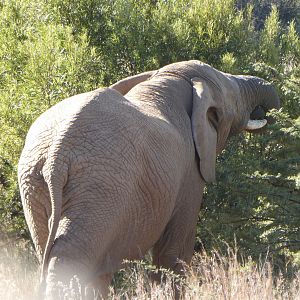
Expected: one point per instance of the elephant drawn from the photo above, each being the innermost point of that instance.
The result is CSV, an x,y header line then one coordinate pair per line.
x,y
109,174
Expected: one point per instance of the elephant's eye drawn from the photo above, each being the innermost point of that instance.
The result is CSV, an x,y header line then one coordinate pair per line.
x,y
213,116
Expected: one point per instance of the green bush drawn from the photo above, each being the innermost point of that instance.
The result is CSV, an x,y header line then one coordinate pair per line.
x,y
41,63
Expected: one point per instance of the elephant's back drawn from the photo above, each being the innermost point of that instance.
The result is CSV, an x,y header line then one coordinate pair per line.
x,y
124,165
64,118
63,114
62,130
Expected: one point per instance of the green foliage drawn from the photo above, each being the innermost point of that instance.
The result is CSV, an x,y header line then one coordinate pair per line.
x,y
41,63
52,49
256,199
257,194
288,10
147,34
269,39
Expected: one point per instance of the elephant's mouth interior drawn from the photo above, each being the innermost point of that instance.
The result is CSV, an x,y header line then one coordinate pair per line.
x,y
257,119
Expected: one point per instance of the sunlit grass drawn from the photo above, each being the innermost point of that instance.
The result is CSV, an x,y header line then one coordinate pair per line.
x,y
212,276
18,271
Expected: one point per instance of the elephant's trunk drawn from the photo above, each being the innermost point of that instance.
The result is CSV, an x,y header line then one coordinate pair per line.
x,y
259,97
258,92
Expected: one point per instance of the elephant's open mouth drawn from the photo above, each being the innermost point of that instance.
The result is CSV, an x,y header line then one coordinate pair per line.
x,y
257,119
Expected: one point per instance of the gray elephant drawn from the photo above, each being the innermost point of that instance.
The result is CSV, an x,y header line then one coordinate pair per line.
x,y
109,174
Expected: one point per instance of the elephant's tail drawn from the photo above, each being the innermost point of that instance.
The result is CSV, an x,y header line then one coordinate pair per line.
x,y
55,179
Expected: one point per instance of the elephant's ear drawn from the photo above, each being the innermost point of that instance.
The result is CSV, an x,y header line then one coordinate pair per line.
x,y
125,85
204,128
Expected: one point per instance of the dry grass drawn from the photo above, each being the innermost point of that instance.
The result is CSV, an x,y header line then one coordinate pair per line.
x,y
18,271
214,277
211,277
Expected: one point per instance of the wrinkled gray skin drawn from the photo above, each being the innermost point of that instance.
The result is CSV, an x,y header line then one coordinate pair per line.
x,y
105,176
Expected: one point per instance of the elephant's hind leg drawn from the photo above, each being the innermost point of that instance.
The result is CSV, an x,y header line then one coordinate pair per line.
x,y
68,274
66,277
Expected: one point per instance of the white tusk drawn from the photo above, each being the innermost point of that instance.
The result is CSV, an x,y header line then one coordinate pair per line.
x,y
256,124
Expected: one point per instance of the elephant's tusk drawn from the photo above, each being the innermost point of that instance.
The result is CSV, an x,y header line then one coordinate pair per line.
x,y
256,124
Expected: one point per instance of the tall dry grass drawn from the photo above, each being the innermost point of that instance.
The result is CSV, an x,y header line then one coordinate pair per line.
x,y
18,270
211,277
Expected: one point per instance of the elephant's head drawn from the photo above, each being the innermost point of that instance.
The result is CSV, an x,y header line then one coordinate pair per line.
x,y
224,105
218,104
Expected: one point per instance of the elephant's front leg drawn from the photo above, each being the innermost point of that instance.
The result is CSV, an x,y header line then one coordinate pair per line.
x,y
175,248
173,251
99,288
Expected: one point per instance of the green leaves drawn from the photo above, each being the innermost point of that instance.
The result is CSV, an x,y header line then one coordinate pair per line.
x,y
41,63
269,38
